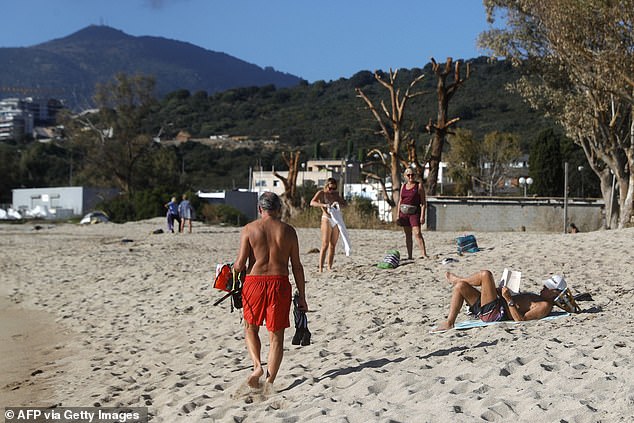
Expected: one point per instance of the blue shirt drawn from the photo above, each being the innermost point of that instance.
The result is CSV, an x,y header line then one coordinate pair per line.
x,y
185,209
172,208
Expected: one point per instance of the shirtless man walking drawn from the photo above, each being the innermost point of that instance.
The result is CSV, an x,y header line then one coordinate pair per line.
x,y
266,246
493,304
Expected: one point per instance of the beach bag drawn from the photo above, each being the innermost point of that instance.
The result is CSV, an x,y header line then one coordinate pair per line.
x,y
467,243
566,301
231,282
409,209
391,260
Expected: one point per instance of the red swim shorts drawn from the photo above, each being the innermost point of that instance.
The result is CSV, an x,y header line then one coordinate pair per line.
x,y
267,298
408,219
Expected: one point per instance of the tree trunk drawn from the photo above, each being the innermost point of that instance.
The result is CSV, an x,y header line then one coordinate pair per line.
x,y
627,200
289,199
440,129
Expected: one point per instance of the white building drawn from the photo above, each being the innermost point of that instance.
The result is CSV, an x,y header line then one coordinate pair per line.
x,y
314,171
15,121
60,202
19,116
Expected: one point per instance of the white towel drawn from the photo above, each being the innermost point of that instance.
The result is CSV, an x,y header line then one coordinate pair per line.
x,y
336,216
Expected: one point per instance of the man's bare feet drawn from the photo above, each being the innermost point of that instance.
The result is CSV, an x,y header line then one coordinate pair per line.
x,y
269,380
451,277
254,380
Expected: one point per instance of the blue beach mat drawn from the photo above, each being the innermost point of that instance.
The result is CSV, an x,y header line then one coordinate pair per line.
x,y
477,323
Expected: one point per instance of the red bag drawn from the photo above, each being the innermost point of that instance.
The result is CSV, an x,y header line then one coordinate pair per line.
x,y
225,277
231,282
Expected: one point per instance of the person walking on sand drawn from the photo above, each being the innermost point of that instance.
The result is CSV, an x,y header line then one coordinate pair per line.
x,y
412,205
493,304
324,199
172,214
266,247
185,212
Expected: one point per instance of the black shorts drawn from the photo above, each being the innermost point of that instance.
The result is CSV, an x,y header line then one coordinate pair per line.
x,y
490,312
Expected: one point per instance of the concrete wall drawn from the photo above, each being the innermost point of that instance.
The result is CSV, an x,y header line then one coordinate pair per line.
x,y
246,202
512,214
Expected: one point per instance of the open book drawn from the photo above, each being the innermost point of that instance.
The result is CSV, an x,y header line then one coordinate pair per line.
x,y
511,279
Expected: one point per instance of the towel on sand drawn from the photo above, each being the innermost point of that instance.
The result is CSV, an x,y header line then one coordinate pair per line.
x,y
477,323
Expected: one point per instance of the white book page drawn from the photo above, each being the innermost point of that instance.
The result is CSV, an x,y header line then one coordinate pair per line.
x,y
512,280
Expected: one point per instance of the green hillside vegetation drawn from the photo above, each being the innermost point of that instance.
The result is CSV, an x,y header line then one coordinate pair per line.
x,y
329,113
326,120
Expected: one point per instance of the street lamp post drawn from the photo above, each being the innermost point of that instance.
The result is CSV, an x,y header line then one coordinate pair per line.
x,y
303,171
580,169
347,179
525,182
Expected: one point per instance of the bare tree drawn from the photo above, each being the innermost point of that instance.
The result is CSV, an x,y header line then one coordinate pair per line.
x,y
440,128
390,122
289,197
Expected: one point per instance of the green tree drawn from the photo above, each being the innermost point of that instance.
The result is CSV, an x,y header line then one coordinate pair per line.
x,y
463,159
499,151
487,162
546,165
43,165
10,171
116,139
579,57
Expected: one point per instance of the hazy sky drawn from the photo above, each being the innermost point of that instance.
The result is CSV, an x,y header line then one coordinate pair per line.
x,y
312,39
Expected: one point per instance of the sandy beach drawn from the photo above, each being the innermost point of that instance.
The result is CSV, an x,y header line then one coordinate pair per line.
x,y
115,315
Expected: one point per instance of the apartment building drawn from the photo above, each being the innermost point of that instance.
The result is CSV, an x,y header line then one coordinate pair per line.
x,y
20,116
315,172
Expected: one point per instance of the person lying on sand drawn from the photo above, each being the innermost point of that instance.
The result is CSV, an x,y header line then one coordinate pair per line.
x,y
492,304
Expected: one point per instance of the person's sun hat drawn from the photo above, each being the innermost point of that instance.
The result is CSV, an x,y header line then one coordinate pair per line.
x,y
556,282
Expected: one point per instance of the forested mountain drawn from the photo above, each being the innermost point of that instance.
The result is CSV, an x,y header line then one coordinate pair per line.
x,y
69,67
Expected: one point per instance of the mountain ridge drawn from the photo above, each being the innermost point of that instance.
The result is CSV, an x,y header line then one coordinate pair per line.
x,y
76,63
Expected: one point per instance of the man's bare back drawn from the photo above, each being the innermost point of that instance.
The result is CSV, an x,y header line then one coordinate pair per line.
x,y
268,244
271,242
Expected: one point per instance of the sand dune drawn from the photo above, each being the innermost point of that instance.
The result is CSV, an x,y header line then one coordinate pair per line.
x,y
114,315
